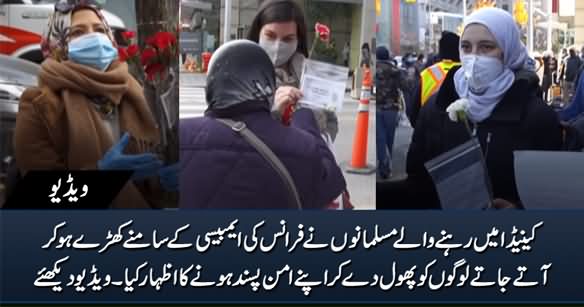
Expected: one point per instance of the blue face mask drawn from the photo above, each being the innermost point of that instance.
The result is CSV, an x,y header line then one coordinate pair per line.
x,y
93,49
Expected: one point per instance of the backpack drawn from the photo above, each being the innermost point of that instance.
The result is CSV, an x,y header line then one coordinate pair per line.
x,y
388,79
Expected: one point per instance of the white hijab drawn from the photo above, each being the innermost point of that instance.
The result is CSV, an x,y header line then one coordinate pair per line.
x,y
503,27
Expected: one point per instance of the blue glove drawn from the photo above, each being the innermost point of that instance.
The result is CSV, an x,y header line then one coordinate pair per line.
x,y
144,165
169,177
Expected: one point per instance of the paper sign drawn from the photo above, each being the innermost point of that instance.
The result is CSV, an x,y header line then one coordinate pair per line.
x,y
323,85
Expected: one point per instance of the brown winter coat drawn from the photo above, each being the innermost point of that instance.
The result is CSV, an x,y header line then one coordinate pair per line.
x,y
58,127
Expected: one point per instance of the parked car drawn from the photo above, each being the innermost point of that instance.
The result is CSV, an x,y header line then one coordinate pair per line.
x,y
15,76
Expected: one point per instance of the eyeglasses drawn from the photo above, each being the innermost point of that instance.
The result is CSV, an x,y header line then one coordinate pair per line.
x,y
65,6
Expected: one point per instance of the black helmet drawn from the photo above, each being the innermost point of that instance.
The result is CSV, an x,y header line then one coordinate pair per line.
x,y
240,71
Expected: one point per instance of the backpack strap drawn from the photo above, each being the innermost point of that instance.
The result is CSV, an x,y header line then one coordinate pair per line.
x,y
268,155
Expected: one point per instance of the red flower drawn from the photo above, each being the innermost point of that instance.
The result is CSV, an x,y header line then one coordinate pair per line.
x,y
162,40
287,115
132,50
122,54
152,69
323,32
128,35
147,55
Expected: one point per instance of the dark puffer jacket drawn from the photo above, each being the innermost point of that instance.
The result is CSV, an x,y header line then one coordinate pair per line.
x,y
521,121
219,169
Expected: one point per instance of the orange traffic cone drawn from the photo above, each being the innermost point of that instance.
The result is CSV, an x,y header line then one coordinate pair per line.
x,y
358,163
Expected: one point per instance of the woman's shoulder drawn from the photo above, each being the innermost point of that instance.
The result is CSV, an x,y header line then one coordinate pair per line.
x,y
537,113
41,96
190,128
41,105
297,62
529,77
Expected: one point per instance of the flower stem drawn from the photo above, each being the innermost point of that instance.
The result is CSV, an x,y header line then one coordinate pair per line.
x,y
466,125
313,45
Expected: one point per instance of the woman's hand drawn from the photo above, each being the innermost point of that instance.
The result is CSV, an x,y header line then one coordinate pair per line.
x,y
285,96
143,165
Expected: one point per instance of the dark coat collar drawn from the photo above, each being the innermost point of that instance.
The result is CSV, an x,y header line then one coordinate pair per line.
x,y
239,110
509,109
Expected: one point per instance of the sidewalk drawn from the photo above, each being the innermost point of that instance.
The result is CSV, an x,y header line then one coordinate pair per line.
x,y
361,187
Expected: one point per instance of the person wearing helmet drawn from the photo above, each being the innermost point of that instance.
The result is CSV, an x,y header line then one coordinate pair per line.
x,y
221,169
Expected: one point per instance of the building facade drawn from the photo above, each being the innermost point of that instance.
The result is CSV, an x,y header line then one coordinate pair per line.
x,y
350,21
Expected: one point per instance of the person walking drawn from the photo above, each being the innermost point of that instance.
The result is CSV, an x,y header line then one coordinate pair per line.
x,y
547,79
389,102
346,53
572,68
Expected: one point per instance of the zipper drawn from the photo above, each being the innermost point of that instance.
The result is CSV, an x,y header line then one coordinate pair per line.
x,y
485,158
488,142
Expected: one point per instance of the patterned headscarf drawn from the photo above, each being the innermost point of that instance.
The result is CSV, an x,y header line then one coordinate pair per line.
x,y
54,42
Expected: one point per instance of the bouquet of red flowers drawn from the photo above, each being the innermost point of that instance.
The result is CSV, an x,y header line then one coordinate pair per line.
x,y
154,58
155,66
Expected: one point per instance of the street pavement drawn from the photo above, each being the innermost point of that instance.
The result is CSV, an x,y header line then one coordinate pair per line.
x,y
361,187
192,95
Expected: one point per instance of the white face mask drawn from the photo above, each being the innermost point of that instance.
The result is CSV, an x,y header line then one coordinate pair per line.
x,y
278,51
481,70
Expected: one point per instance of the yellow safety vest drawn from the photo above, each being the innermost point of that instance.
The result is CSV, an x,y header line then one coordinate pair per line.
x,y
432,77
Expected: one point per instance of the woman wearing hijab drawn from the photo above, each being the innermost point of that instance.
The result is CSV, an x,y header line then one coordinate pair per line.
x,y
503,106
280,29
222,169
87,111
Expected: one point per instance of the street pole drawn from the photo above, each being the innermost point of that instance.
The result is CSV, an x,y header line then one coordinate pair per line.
x,y
549,29
431,26
161,95
530,27
463,8
227,22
